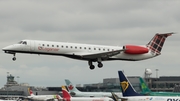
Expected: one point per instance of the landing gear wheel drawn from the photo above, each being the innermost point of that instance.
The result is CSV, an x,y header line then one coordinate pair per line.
x,y
14,58
100,64
92,67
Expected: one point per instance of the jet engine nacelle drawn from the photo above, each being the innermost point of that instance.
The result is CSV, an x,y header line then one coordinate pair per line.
x,y
133,49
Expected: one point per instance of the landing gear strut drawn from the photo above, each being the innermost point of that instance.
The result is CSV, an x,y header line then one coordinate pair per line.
x,y
14,58
91,66
100,64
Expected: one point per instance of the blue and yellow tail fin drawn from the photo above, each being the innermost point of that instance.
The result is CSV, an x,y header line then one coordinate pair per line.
x,y
127,88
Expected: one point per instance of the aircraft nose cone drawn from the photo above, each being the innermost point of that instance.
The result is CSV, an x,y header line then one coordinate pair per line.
x,y
7,48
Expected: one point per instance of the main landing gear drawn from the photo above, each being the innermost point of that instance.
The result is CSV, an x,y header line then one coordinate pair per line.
x,y
91,66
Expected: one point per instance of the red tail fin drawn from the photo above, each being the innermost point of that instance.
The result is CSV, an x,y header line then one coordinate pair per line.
x,y
65,94
30,92
157,42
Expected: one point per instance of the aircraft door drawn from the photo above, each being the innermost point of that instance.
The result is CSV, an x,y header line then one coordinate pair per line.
x,y
32,46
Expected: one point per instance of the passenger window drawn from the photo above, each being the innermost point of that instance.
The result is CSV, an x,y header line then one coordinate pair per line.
x,y
62,46
94,48
75,47
99,48
42,44
108,49
57,45
89,48
71,47
103,49
80,47
52,45
66,46
47,45
84,47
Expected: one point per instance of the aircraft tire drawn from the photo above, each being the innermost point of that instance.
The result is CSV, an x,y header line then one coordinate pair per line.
x,y
14,58
92,67
100,64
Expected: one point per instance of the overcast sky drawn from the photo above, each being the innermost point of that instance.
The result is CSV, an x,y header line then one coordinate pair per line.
x,y
104,22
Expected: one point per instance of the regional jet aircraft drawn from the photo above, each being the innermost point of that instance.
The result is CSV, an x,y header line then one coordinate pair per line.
x,y
89,52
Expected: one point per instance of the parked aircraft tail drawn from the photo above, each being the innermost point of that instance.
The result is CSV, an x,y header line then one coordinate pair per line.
x,y
127,88
70,86
157,42
65,93
144,87
30,92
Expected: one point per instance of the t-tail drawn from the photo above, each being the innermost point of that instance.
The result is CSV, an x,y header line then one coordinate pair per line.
x,y
65,93
70,86
157,42
144,87
127,88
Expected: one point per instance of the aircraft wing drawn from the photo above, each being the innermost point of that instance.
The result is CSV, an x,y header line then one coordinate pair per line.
x,y
103,55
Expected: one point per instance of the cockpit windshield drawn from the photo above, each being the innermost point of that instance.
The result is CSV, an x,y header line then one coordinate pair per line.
x,y
22,42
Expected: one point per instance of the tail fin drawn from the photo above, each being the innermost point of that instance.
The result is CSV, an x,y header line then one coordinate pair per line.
x,y
30,92
127,88
144,87
70,86
65,93
157,42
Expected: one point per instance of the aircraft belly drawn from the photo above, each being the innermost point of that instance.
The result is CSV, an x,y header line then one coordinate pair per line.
x,y
130,57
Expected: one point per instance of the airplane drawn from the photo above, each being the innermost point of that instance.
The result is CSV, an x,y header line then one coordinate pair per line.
x,y
147,91
42,97
130,94
76,93
68,97
89,52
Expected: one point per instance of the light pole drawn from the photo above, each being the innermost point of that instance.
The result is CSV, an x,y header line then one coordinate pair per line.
x,y
7,83
157,73
18,79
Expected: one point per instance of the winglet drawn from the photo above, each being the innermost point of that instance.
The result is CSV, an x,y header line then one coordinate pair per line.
x,y
114,96
65,93
127,88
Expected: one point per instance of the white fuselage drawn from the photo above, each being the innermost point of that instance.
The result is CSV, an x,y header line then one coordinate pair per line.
x,y
72,50
95,94
89,99
42,97
152,98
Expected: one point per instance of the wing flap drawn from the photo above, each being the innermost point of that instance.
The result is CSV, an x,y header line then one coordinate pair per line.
x,y
103,55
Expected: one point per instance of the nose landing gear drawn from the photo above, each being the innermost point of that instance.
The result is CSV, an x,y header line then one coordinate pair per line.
x,y
14,58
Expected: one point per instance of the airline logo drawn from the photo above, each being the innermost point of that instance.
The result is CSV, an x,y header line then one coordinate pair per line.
x,y
48,49
124,85
173,99
143,86
70,87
